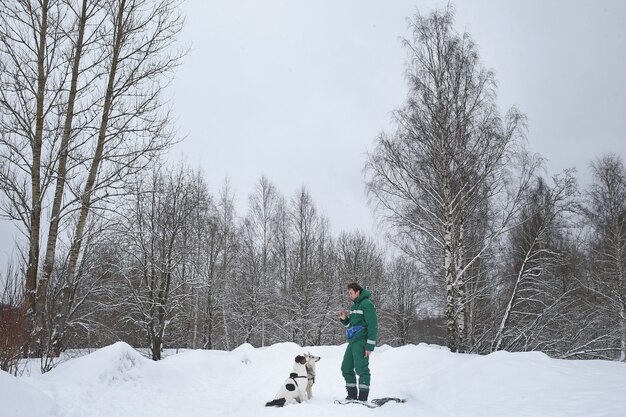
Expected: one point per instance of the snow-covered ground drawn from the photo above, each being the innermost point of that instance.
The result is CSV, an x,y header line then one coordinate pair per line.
x,y
118,381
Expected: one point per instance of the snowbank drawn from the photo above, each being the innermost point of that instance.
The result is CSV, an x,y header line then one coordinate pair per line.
x,y
117,380
18,398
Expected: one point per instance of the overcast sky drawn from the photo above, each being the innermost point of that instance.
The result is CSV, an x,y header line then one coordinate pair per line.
x,y
298,91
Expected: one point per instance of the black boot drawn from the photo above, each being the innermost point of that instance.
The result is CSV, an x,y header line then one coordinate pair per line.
x,y
363,395
351,393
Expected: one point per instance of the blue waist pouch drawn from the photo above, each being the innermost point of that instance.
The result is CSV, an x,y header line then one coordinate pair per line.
x,y
351,331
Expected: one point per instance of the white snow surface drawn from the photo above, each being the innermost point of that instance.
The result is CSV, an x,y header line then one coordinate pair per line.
x,y
119,381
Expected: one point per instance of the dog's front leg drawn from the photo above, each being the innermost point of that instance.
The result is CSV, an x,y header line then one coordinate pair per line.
x,y
302,397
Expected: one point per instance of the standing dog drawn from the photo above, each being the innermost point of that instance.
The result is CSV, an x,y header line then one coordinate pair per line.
x,y
293,390
310,371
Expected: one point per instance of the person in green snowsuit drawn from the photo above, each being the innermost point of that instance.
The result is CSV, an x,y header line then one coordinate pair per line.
x,y
361,331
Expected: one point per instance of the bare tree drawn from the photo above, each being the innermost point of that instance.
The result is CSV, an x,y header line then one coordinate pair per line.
x,y
606,210
253,302
359,259
304,290
282,243
300,301
533,291
403,291
83,39
31,79
132,126
329,288
206,246
450,152
153,281
228,231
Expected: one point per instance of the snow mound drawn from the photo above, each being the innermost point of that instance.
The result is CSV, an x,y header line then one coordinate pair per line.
x,y
529,383
19,399
106,366
246,353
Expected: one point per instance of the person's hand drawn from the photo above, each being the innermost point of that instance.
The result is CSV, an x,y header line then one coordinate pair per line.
x,y
367,353
342,314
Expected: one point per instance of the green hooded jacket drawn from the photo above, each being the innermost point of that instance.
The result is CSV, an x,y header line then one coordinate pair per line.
x,y
363,313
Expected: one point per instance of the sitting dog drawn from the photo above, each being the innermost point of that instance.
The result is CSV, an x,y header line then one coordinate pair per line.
x,y
293,390
310,371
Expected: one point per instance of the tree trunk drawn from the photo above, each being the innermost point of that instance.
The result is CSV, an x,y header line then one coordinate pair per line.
x,y
55,216
156,349
461,316
35,308
89,185
194,340
509,308
450,296
621,278
623,351
208,331
460,286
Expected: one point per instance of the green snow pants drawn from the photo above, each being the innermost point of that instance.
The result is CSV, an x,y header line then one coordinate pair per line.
x,y
354,360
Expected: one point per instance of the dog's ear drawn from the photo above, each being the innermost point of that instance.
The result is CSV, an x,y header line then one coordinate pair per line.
x,y
301,359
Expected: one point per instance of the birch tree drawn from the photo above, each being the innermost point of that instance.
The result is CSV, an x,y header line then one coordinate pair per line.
x,y
83,36
606,210
197,261
31,80
329,289
132,126
228,231
301,301
210,246
252,301
449,152
301,253
534,296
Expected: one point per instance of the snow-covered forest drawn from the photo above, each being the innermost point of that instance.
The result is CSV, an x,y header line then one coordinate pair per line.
x,y
484,250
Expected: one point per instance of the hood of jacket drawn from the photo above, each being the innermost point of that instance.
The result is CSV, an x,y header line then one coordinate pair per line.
x,y
364,294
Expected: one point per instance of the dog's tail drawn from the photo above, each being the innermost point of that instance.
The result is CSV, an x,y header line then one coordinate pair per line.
x,y
280,402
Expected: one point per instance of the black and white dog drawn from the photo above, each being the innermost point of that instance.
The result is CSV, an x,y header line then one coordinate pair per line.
x,y
293,390
310,371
